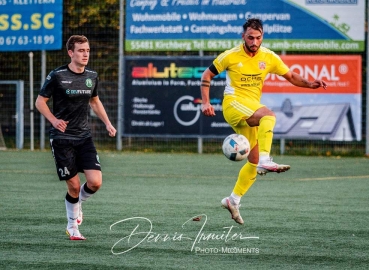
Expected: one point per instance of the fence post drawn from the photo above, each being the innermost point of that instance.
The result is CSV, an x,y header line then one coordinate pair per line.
x,y
31,100
199,145
282,146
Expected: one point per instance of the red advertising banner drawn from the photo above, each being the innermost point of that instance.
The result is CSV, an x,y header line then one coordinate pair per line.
x,y
342,74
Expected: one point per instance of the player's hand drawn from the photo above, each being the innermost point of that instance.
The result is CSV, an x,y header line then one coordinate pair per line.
x,y
112,131
208,109
319,83
60,125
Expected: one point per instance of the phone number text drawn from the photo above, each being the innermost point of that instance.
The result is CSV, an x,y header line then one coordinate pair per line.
x,y
26,40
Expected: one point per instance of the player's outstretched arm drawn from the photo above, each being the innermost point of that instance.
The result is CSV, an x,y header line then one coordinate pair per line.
x,y
297,80
99,109
206,107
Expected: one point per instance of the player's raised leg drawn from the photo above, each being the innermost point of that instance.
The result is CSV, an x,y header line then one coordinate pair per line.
x,y
265,139
93,184
84,194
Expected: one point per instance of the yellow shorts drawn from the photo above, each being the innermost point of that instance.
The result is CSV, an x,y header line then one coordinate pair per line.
x,y
236,110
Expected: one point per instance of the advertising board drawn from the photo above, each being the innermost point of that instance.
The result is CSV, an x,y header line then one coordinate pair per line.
x,y
162,97
31,25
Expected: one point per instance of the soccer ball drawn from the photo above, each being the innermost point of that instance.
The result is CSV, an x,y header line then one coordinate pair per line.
x,y
236,147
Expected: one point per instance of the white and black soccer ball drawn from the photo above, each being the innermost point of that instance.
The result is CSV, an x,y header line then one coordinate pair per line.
x,y
236,147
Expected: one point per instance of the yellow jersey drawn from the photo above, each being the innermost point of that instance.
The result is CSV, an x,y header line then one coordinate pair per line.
x,y
245,75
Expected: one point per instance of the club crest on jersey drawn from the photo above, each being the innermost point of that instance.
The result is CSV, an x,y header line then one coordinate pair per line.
x,y
262,65
88,82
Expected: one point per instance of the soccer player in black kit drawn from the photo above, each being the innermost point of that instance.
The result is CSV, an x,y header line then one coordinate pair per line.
x,y
74,90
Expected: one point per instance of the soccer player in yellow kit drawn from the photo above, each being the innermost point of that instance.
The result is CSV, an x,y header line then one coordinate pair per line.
x,y
246,67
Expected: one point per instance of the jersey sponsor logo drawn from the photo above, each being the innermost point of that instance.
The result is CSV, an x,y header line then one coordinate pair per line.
x,y
251,80
251,77
66,81
77,92
88,82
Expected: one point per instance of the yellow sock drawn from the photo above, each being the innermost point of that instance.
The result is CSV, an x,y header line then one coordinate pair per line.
x,y
265,133
246,178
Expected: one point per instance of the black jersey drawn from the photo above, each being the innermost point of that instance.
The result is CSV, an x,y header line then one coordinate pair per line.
x,y
71,93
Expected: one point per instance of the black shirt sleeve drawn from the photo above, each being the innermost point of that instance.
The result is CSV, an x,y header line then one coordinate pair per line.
x,y
49,85
213,69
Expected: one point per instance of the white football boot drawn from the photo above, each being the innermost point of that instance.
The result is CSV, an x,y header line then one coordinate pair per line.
x,y
74,234
269,166
233,208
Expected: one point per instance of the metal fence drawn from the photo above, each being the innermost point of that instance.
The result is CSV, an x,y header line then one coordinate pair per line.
x,y
101,26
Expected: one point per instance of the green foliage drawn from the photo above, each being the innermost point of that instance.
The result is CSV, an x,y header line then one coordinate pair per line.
x,y
92,13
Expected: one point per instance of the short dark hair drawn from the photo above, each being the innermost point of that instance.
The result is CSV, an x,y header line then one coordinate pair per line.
x,y
75,39
253,23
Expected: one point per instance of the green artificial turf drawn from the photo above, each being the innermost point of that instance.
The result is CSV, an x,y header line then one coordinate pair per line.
x,y
315,216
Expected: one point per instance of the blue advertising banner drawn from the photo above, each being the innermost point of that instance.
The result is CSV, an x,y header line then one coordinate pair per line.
x,y
290,25
162,97
31,25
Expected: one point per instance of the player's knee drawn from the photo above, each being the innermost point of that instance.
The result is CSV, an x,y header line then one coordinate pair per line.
x,y
271,114
254,155
264,111
94,179
95,184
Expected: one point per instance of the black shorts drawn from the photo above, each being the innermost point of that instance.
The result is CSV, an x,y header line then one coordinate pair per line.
x,y
73,156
